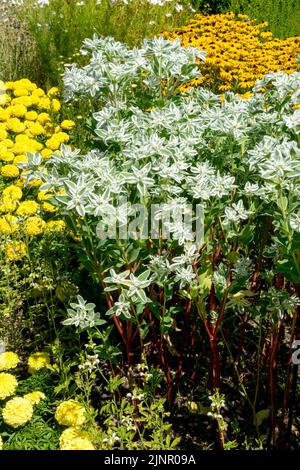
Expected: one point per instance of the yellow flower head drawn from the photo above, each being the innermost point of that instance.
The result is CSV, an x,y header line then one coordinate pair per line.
x,y
74,439
17,412
1,443
70,413
10,171
8,225
8,385
67,124
56,226
8,360
12,192
15,251
28,207
34,226
35,397
38,361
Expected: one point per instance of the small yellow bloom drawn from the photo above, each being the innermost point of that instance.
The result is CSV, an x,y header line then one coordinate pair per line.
x,y
15,251
34,226
17,412
35,397
10,171
70,413
8,360
38,361
8,385
28,207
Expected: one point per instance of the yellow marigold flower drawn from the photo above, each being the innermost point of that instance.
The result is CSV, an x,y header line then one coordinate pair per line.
x,y
46,153
7,205
28,207
43,195
31,116
10,171
7,143
35,397
17,412
47,207
34,183
34,226
44,103
15,125
4,99
20,92
18,110
35,128
56,226
53,91
70,413
43,117
3,133
53,143
67,124
1,443
56,105
8,385
8,226
61,136
38,361
15,251
74,439
20,159
39,92
8,360
6,155
4,114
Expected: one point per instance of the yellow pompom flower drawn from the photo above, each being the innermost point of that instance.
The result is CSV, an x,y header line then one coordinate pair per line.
x,y
47,207
12,192
70,413
18,110
56,226
1,443
31,116
28,207
6,155
53,91
8,385
35,397
17,412
74,439
8,360
34,226
15,251
20,92
53,143
7,205
38,361
56,105
67,124
8,226
10,171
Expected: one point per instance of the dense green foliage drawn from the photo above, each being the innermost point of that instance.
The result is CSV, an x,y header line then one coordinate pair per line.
x,y
283,15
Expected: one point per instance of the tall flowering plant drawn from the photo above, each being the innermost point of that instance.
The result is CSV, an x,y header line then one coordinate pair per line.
x,y
239,160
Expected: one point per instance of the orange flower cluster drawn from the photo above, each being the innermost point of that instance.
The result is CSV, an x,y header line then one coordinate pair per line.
x,y
238,51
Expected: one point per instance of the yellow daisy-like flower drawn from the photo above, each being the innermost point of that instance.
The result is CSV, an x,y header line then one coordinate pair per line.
x,y
35,397
15,251
74,439
34,226
56,105
17,412
38,361
8,385
28,207
8,360
70,413
10,171
8,224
